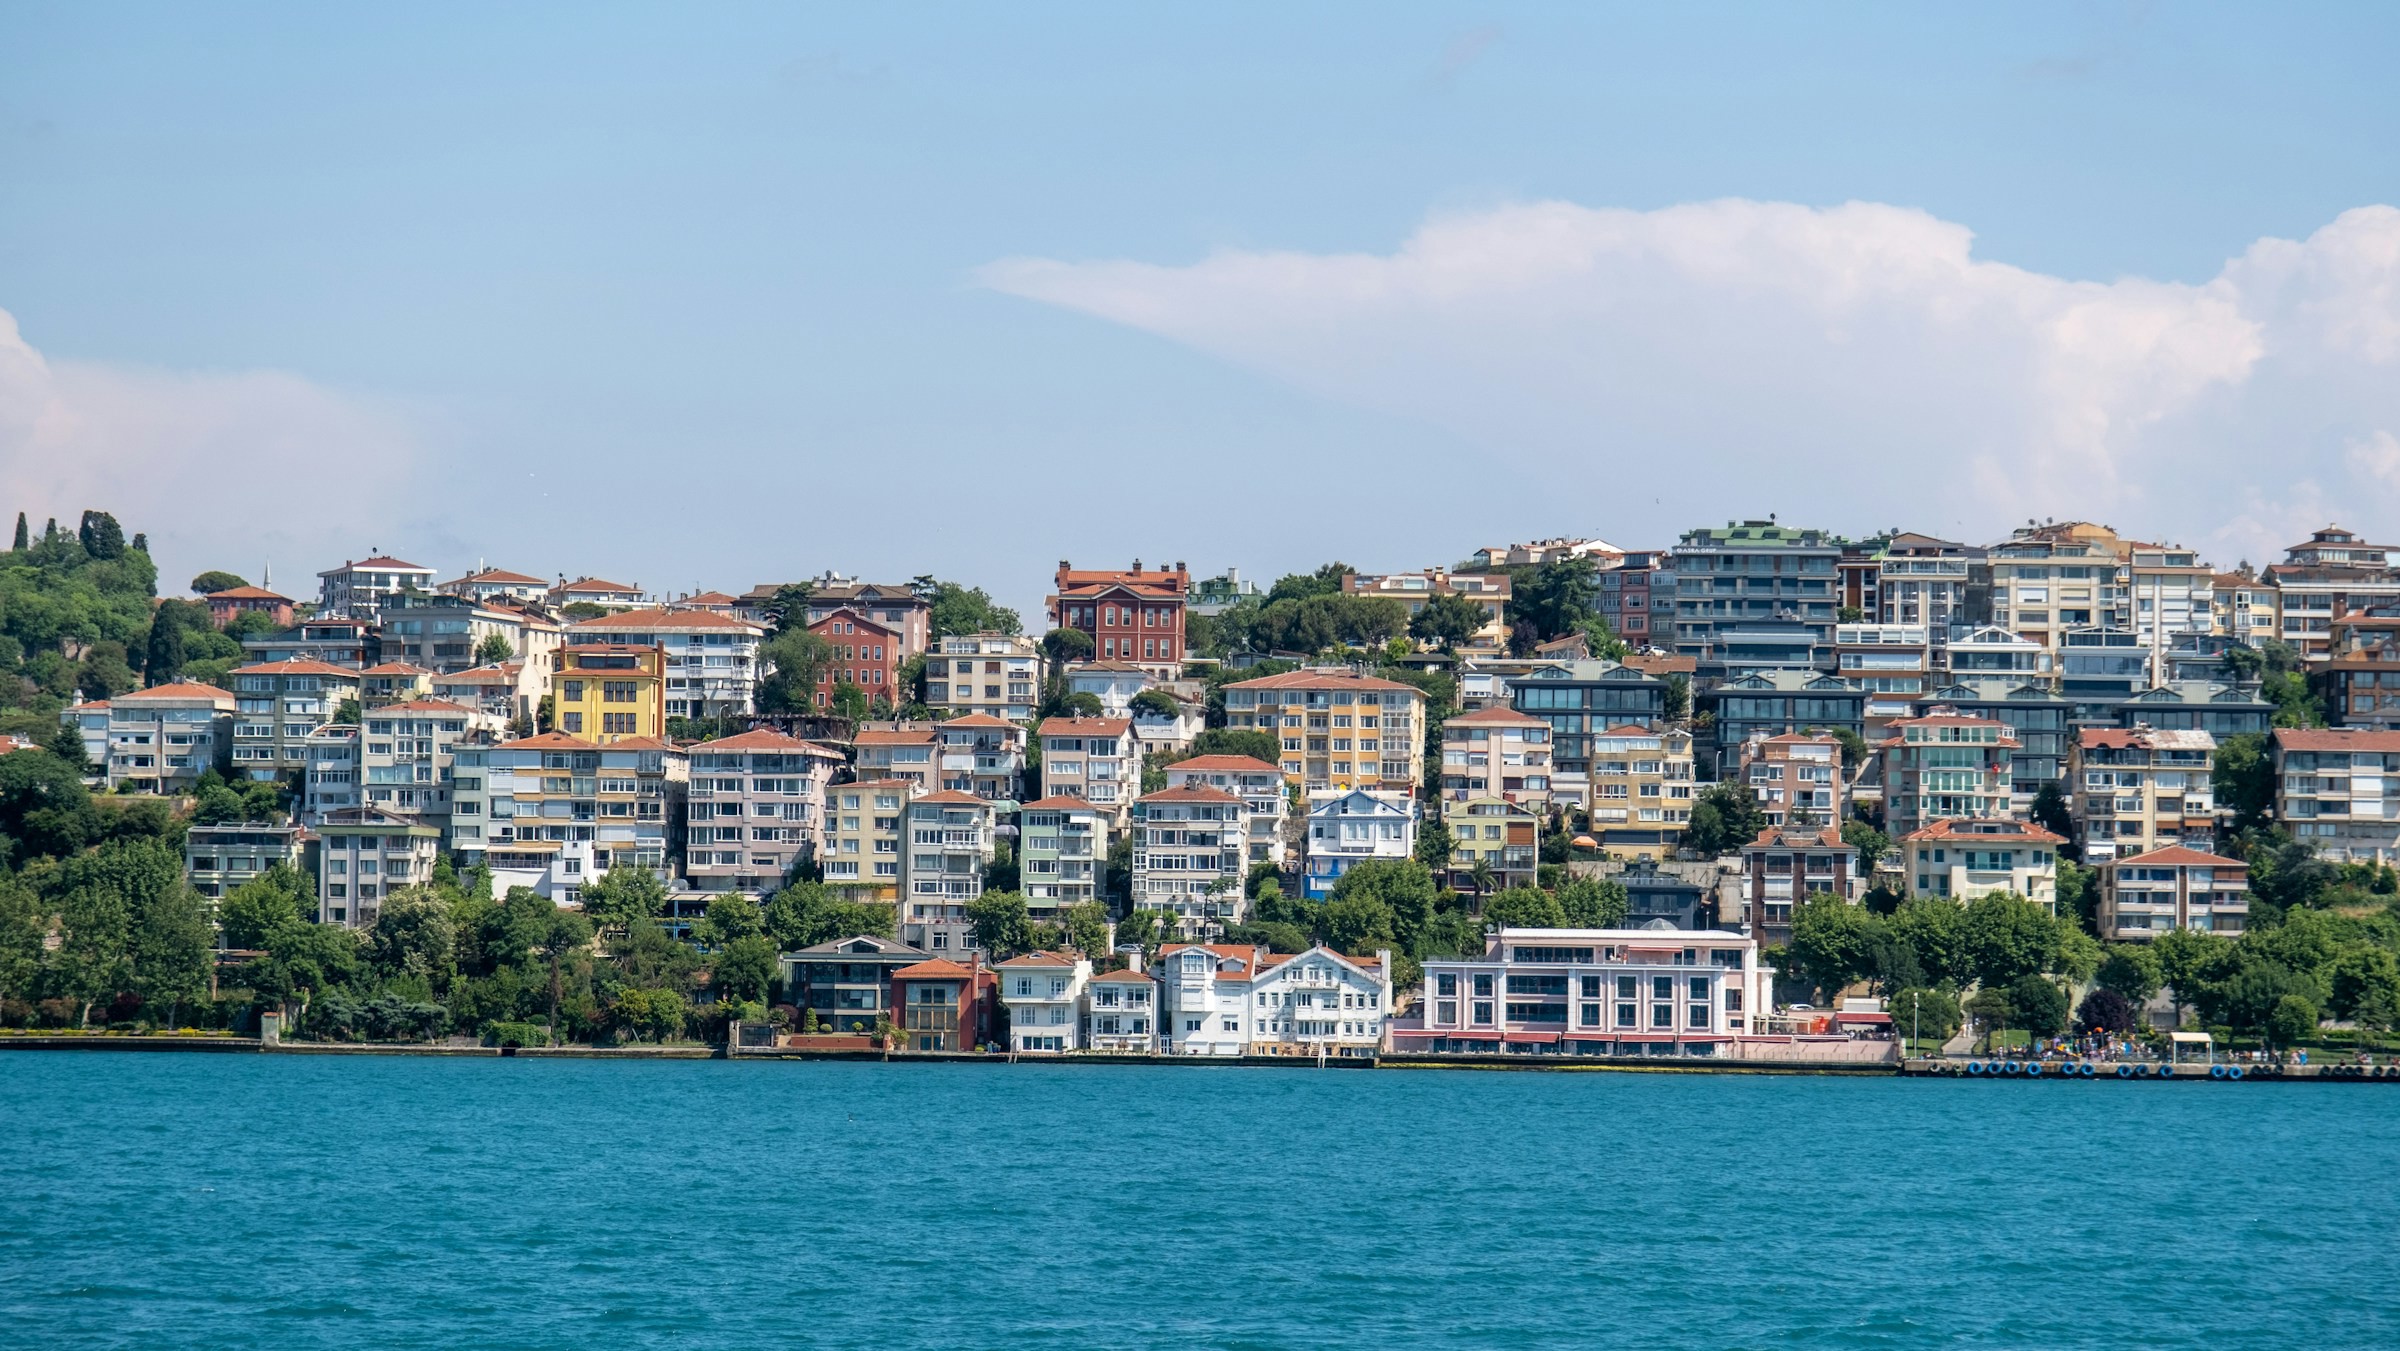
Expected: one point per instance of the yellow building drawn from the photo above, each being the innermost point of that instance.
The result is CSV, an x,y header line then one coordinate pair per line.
x,y
605,692
1490,828
1641,790
1340,730
861,849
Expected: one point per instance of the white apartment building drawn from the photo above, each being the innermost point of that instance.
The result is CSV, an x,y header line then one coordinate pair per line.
x,y
756,804
981,755
998,675
1190,853
1121,1012
553,813
1061,842
1321,1002
1094,759
1347,829
1204,996
159,740
407,756
1893,663
2145,895
495,584
446,633
1043,993
1497,752
357,589
2136,789
1488,590
711,658
332,781
2338,791
950,843
279,704
363,856
1962,859
1258,784
1650,992
898,751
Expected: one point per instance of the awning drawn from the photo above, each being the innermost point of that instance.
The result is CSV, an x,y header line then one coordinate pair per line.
x,y
1531,1038
1862,1017
2191,1038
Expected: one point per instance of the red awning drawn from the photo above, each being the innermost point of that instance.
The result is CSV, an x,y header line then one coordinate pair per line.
x,y
1862,1017
1531,1038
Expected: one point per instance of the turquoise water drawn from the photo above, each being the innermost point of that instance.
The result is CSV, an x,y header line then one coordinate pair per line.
x,y
302,1202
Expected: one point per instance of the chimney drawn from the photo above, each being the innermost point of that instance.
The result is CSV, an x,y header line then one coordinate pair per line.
x,y
1137,567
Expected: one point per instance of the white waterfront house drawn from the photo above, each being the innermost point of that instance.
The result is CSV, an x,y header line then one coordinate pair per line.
x,y
1043,993
1347,829
1238,999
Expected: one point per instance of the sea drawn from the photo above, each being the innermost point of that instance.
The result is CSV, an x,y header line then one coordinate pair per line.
x,y
293,1202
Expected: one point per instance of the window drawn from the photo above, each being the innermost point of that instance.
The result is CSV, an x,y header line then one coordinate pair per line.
x,y
570,722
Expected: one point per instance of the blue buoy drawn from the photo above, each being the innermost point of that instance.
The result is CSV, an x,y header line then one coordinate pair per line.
x,y
2124,1071
2166,1071
2233,1071
2033,1069
2216,1071
1974,1067
2085,1069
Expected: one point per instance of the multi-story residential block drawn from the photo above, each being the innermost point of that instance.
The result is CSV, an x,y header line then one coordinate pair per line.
x,y
711,659
333,773
1581,700
1785,866
1259,785
1497,752
2041,717
393,682
1062,843
2101,668
1595,992
2145,895
335,641
1043,993
1893,663
981,755
2243,608
1204,996
2338,790
598,591
363,856
2049,579
1501,836
1340,730
901,750
280,703
1320,1002
1626,600
849,982
1347,829
866,654
1540,551
1926,582
446,633
1798,780
1132,615
359,588
1989,652
224,606
1947,764
1963,859
902,614
756,802
554,813
864,839
1489,592
2219,710
2363,671
2173,595
950,843
2141,788
2333,573
158,740
1093,759
606,692
1772,703
504,691
997,675
407,757
1748,572
944,1006
218,858
1190,854
1113,683
486,584
1121,1012
1640,796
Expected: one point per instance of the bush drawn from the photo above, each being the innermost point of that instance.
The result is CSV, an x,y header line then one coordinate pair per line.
x,y
2107,1010
516,1034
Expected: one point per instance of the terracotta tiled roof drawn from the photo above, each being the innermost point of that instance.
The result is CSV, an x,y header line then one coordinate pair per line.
x,y
420,706
1056,802
1066,959
1191,792
978,720
661,617
1310,680
2336,739
1124,978
247,593
1775,838
764,739
950,798
934,969
175,689
2177,856
1225,764
905,736
392,668
594,584
498,577
297,666
381,562
1080,726
1968,831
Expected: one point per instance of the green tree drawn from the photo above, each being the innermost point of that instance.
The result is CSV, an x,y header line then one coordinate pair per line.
x,y
414,936
2078,891
792,662
1357,923
623,897
67,744
1062,646
2132,970
2040,1006
1259,746
1405,890
1594,903
494,649
2365,980
1447,619
1678,705
213,581
1871,844
1833,943
1724,818
2050,811
23,541
1929,1013
102,537
1434,844
2293,1020
2108,1011
654,1014
1156,704
2243,779
957,610
1552,599
1525,908
2188,961
731,916
1003,927
170,946
1083,926
276,899
744,968
2008,937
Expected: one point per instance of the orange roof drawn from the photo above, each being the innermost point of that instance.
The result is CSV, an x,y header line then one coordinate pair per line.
x,y
1043,959
174,689
1499,715
950,797
978,720
763,739
1082,726
499,575
709,598
1255,957
479,675
246,593
1123,977
1309,680
1774,838
662,617
891,736
421,706
550,741
2177,856
1965,830
395,668
1227,764
594,584
2336,739
936,968
1056,802
297,666
1190,792
386,562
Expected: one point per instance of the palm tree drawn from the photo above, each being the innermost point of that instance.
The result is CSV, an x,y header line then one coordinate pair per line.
x,y
1482,878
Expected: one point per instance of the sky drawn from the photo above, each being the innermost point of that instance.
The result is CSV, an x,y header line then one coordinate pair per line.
x,y
703,297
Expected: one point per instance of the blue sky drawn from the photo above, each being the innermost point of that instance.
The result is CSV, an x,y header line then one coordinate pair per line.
x,y
706,295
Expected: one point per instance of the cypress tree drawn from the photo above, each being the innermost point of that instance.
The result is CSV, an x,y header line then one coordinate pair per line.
x,y
22,540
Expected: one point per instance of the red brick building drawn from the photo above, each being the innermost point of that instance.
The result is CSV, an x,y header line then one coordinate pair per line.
x,y
224,605
865,654
1133,615
942,1006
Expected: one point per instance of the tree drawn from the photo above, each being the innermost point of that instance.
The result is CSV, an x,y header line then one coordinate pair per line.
x,y
2131,970
1552,599
1403,887
2078,890
1156,704
1083,926
1525,908
1594,904
66,743
850,700
494,649
213,581
805,914
1871,844
276,899
653,1013
414,936
793,661
102,537
22,541
2187,961
1356,923
1448,619
2008,937
2107,1010
2040,1006
1930,1013
1260,746
1832,943
1726,817
2243,779
1001,923
731,915
1434,844
624,897
957,610
1083,704
105,674
171,941
2293,1020
2365,980
2050,811
744,968
1062,646
165,649
1678,703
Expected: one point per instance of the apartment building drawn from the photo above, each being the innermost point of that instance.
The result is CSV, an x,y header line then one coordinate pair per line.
x,y
157,740
1341,730
906,750
2140,789
218,858
1797,779
1989,652
866,654
1062,844
489,584
1500,836
1121,1012
2145,895
2363,670
950,844
1946,764
505,691
358,589
944,1006
864,837
279,703
756,805
995,675
1093,759
1190,855
1258,784
1132,615
2173,595
2243,608
1489,592
1962,859
1925,582
1537,552
1785,866
447,633
981,755
331,780
605,692
1893,663
337,642
711,662
2338,791
1581,700
407,757
225,606
1347,829
1232,999
1497,752
1043,993
904,617
554,812
2049,579
1641,789
1749,572
597,591
363,856
393,682
2041,717
2329,575
1629,593
1645,992
1772,703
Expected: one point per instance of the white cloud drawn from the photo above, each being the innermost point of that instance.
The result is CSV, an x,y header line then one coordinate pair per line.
x,y
1855,366
221,470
